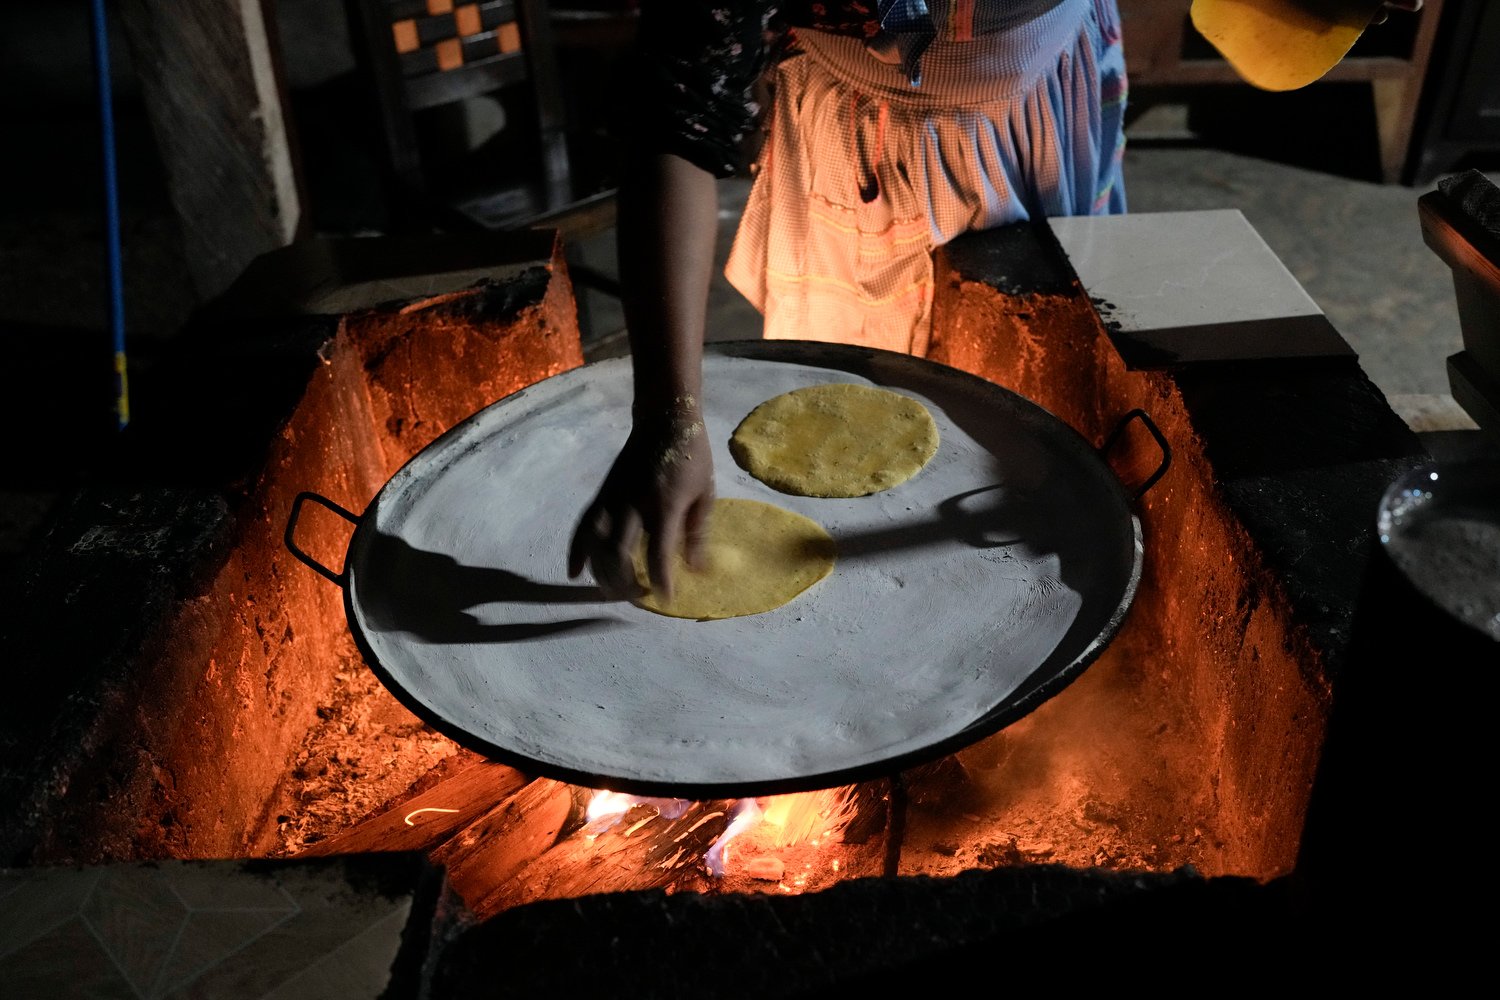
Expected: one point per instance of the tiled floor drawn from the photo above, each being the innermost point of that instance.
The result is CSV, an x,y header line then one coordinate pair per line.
x,y
216,929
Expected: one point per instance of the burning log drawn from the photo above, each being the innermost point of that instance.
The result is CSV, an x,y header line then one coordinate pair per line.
x,y
507,840
644,850
431,817
491,851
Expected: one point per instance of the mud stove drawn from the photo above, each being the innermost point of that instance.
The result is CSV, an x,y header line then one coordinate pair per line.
x,y
1269,771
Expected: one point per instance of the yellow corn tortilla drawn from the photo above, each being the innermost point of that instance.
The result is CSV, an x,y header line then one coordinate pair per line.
x,y
758,557
835,440
1283,44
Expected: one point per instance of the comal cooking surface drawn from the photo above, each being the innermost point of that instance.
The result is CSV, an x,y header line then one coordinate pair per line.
x,y
1009,560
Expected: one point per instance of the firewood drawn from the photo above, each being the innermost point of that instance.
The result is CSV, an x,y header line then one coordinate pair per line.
x,y
429,818
945,780
492,849
869,811
631,855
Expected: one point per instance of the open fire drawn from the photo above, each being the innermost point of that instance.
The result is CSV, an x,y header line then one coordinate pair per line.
x,y
1053,789
1161,756
1191,742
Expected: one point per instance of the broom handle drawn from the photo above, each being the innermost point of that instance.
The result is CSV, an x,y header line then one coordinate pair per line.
x,y
112,214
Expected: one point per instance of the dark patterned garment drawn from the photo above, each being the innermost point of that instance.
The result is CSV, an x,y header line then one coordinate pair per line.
x,y
701,62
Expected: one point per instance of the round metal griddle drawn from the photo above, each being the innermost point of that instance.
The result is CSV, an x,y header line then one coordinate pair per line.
x,y
960,600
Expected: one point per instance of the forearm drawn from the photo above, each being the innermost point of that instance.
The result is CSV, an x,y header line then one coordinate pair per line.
x,y
667,227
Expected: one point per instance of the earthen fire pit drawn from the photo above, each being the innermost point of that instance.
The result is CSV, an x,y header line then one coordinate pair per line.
x,y
190,691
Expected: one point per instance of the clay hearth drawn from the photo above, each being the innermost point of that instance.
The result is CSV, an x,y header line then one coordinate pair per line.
x,y
195,693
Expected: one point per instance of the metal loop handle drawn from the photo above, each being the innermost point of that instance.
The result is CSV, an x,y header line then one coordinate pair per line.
x,y
291,528
1161,441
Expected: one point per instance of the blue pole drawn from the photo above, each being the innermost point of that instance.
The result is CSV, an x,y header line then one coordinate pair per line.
x,y
112,214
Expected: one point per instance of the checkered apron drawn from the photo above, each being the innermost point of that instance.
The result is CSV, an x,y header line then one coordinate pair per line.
x,y
861,175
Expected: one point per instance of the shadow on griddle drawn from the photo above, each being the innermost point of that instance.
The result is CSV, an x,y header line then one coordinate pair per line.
x,y
429,594
970,517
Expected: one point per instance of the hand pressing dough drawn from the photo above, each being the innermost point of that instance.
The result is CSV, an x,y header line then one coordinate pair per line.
x,y
835,440
758,557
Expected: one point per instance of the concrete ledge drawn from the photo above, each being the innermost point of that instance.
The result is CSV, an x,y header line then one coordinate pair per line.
x,y
368,926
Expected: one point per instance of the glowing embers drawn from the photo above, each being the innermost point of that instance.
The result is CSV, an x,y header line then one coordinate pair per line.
x,y
411,818
795,841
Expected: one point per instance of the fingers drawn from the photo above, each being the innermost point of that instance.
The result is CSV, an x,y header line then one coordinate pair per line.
x,y
661,547
604,542
685,532
614,572
696,531
585,538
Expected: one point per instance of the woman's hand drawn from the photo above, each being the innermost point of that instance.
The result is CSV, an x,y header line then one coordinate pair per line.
x,y
662,482
662,485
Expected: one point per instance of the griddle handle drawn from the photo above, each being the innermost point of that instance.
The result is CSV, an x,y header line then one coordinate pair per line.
x,y
291,529
1166,449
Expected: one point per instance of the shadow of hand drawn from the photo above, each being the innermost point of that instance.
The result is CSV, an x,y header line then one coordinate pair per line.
x,y
429,594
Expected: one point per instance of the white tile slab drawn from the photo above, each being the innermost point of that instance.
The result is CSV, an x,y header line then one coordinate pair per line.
x,y
1196,286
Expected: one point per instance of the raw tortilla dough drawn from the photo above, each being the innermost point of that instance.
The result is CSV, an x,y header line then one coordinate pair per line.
x,y
835,440
759,557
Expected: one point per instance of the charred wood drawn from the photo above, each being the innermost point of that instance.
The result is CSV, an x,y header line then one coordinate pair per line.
x,y
643,850
429,818
492,849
